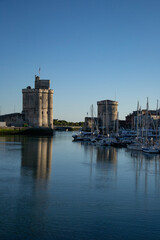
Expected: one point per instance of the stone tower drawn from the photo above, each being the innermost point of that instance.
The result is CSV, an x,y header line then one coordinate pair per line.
x,y
38,104
107,115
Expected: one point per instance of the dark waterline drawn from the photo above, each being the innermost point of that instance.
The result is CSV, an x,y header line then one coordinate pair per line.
x,y
53,188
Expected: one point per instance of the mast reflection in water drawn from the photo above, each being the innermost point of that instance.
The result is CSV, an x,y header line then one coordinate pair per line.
x,y
146,167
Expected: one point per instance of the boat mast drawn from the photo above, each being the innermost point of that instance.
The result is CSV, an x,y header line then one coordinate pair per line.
x,y
103,123
141,121
92,127
156,119
147,121
117,125
106,120
137,117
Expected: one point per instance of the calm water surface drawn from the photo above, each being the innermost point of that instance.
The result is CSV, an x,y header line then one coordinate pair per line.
x,y
53,188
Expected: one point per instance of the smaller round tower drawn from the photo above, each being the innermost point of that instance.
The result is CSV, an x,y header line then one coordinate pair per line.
x,y
107,115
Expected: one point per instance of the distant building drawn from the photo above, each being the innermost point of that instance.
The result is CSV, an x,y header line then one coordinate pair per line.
x,y
107,115
38,104
122,124
130,121
151,118
90,124
2,124
12,119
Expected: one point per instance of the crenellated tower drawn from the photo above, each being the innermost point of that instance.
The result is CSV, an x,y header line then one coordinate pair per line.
x,y
38,104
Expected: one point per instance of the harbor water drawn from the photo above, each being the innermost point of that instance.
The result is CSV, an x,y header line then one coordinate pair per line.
x,y
53,188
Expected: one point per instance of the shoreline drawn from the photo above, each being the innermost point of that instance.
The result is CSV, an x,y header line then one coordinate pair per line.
x,y
25,131
67,128
35,131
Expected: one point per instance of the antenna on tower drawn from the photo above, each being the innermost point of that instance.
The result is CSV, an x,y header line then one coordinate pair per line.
x,y
39,70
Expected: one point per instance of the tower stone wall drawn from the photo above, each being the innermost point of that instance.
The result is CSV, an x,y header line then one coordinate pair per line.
x,y
38,104
107,115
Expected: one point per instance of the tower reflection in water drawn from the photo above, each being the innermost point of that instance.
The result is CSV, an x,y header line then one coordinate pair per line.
x,y
103,159
107,155
37,156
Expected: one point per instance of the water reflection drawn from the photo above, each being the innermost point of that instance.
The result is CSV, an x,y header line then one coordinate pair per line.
x,y
102,163
105,157
36,153
91,193
146,167
37,156
24,187
131,167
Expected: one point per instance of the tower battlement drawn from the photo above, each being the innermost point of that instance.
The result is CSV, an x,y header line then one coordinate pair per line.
x,y
38,104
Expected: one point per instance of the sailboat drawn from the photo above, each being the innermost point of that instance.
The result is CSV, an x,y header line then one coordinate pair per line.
x,y
136,145
149,148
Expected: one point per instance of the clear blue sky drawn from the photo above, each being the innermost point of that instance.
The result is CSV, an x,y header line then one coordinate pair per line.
x,y
91,50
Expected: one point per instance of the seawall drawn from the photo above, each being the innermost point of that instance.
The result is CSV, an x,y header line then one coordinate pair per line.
x,y
26,131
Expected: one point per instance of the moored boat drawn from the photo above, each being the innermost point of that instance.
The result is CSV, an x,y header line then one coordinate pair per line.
x,y
135,146
150,149
82,136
